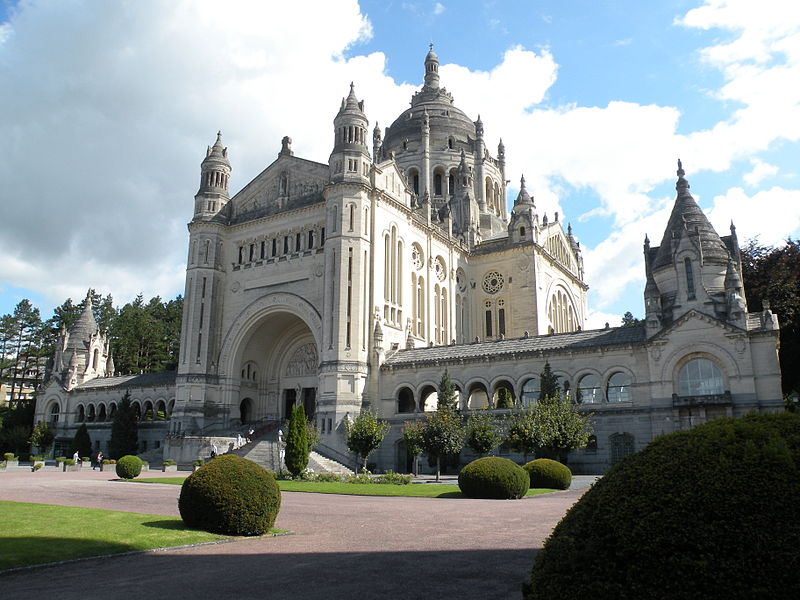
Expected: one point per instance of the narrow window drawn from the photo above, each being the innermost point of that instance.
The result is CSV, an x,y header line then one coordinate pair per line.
x,y
241,254
310,239
322,237
263,250
286,244
352,216
689,278
297,242
501,321
203,291
274,246
437,184
488,323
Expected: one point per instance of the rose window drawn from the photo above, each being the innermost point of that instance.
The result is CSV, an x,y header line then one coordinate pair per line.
x,y
493,282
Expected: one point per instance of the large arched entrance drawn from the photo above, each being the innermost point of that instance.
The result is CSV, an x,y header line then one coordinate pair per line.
x,y
277,367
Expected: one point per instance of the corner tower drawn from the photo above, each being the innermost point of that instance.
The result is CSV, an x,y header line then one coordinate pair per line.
x,y
215,173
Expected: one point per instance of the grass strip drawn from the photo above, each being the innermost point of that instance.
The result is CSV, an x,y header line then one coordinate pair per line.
x,y
414,490
33,534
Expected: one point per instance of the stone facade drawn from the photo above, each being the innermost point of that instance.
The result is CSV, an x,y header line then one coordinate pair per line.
x,y
356,283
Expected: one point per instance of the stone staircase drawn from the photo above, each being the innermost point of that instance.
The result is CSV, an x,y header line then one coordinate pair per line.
x,y
321,464
265,452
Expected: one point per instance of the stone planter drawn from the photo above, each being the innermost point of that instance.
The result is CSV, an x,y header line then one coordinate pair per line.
x,y
67,467
169,468
12,464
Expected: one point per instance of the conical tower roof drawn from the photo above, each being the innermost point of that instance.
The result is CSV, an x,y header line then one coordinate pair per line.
x,y
687,217
82,330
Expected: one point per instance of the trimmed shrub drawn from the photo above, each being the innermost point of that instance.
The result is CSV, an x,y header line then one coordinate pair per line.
x,y
169,463
129,467
713,512
230,495
493,477
9,456
546,473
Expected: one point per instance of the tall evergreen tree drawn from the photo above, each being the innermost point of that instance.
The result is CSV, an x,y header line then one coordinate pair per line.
x,y
297,451
447,393
548,383
82,442
124,430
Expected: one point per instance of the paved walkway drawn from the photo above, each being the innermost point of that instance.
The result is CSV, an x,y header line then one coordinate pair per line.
x,y
343,547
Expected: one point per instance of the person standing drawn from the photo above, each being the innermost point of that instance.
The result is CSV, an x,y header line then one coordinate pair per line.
x,y
76,458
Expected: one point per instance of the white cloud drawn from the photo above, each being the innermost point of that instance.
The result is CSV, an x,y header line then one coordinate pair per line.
x,y
438,8
114,105
769,214
760,171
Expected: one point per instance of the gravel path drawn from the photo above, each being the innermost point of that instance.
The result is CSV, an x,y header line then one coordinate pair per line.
x,y
342,547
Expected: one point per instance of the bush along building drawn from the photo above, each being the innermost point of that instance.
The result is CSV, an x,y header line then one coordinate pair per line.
x,y
355,284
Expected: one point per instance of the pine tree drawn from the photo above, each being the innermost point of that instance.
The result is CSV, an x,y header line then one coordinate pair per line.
x,y
297,451
81,442
548,383
447,393
504,398
124,430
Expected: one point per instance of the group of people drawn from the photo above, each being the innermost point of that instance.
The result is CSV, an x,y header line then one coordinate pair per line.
x,y
237,443
96,458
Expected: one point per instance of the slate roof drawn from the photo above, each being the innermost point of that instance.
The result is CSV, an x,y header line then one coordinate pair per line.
x,y
579,340
166,378
687,217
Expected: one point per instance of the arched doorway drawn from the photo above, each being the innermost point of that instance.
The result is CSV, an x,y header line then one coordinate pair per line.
x,y
278,361
246,410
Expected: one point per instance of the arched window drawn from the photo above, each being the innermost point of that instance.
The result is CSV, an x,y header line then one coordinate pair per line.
x,y
589,389
54,411
91,413
81,414
437,184
405,401
619,388
101,413
530,392
700,377
112,409
95,359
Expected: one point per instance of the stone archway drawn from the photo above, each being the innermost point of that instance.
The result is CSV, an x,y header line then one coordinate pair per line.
x,y
280,360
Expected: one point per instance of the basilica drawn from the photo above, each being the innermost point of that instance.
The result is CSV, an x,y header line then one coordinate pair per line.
x,y
354,284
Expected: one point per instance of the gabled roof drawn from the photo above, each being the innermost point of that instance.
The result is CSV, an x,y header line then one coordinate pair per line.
x,y
562,342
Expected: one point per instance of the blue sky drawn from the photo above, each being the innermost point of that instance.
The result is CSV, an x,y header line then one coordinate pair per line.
x,y
113,105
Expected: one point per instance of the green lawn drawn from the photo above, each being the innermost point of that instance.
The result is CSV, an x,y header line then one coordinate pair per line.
x,y
422,490
39,533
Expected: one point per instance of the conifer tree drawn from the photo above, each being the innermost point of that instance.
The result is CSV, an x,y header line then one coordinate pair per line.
x,y
124,430
447,393
548,383
297,451
82,442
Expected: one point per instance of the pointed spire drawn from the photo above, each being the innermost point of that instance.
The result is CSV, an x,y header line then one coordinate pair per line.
x,y
687,217
523,197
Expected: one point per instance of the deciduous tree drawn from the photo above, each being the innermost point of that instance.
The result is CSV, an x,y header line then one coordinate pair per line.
x,y
482,432
365,434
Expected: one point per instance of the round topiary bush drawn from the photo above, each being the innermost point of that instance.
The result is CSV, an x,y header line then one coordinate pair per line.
x,y
493,477
713,512
129,467
230,495
546,473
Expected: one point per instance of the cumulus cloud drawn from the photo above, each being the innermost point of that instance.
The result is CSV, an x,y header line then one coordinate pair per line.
x,y
760,171
115,102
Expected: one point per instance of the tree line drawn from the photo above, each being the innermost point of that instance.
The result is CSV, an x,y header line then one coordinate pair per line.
x,y
144,337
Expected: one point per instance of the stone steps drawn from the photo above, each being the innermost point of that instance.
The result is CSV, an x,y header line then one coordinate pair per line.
x,y
265,452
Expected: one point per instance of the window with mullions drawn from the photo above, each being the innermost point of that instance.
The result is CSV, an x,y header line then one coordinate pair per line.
x,y
700,377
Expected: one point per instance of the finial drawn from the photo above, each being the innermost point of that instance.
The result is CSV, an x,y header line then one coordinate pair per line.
x,y
522,182
569,228
681,172
430,47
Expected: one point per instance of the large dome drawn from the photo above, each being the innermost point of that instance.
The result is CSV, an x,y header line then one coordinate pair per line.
x,y
445,120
